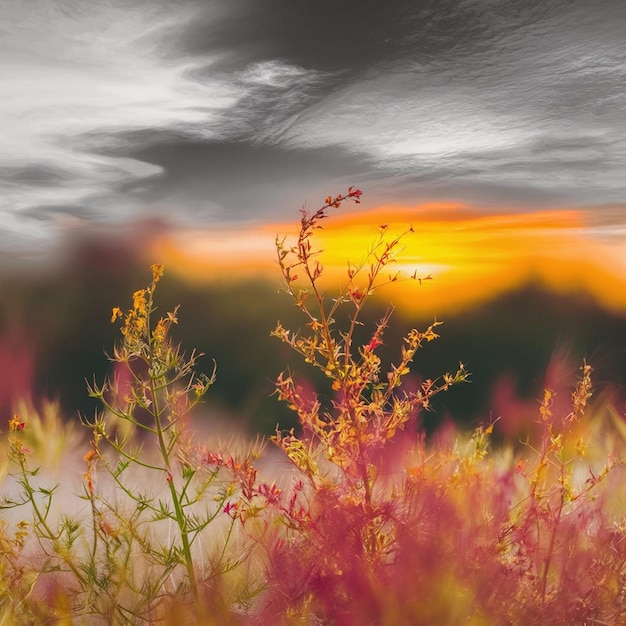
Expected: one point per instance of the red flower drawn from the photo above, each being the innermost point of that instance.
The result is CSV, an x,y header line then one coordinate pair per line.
x,y
231,509
373,344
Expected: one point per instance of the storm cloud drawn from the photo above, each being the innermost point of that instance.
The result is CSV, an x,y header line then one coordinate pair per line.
x,y
232,112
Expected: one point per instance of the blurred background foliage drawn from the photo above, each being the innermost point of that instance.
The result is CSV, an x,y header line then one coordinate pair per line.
x,y
55,329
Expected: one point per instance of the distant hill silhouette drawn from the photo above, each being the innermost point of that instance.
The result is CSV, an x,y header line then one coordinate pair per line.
x,y
509,342
523,337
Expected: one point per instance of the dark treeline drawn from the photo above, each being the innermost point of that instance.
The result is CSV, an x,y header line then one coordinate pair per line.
x,y
55,329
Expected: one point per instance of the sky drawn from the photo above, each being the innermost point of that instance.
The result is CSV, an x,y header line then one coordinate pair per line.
x,y
220,118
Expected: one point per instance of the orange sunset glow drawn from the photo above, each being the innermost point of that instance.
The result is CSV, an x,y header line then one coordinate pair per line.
x,y
471,256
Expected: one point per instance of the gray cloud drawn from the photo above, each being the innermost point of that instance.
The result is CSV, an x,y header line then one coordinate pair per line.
x,y
220,112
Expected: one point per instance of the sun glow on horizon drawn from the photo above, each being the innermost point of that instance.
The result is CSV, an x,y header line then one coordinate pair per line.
x,y
471,256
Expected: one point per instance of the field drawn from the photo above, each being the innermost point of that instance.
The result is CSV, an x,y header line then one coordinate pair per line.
x,y
354,513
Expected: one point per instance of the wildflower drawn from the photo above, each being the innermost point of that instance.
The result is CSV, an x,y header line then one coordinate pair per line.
x,y
157,272
139,302
109,530
357,295
90,456
271,493
160,332
373,344
231,509
89,480
89,476
15,424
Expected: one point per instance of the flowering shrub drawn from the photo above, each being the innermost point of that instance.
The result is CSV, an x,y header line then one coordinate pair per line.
x,y
375,524
135,553
382,527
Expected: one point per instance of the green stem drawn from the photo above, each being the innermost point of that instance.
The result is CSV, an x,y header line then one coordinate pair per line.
x,y
178,509
42,524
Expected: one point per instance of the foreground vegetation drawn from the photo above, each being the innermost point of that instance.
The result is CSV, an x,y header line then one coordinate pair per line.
x,y
356,518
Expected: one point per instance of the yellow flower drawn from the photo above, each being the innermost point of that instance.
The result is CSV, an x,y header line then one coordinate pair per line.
x,y
157,272
160,332
16,423
139,302
117,312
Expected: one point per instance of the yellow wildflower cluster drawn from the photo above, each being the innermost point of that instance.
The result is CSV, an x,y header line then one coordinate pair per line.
x,y
136,327
157,272
136,321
